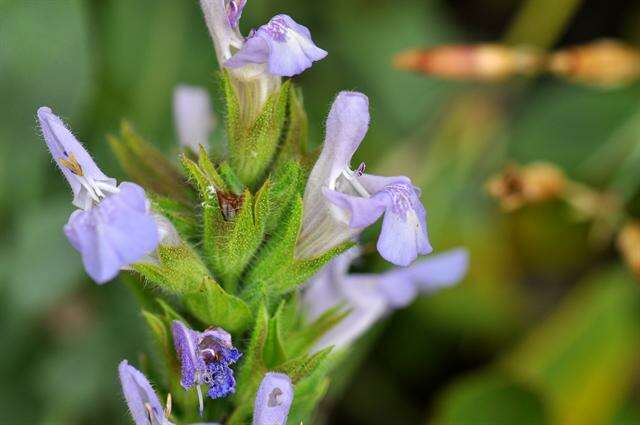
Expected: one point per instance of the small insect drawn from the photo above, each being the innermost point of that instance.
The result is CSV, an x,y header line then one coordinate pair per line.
x,y
229,203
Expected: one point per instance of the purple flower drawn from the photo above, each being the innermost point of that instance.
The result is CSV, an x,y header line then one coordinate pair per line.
x,y
87,181
114,226
193,116
283,45
234,11
369,297
115,233
357,200
143,402
273,400
205,358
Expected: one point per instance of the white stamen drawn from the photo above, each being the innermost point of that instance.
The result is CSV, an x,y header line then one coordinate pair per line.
x,y
357,186
200,401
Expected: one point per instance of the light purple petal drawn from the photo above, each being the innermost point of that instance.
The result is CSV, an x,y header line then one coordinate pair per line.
x,y
399,289
273,400
324,290
363,211
193,116
139,393
224,34
63,145
115,233
374,183
404,227
285,46
186,342
437,271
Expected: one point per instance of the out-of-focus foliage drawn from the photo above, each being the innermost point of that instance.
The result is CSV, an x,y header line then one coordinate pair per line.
x,y
545,329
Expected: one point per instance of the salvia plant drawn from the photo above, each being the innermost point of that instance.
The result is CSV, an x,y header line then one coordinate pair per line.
x,y
243,257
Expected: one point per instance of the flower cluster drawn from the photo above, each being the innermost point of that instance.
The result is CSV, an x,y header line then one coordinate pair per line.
x,y
230,240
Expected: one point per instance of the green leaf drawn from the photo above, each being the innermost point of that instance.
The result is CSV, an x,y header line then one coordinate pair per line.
x,y
147,166
214,307
310,389
179,271
276,271
161,335
491,398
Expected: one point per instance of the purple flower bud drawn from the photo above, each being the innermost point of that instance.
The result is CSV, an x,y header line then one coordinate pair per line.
x,y
273,400
205,358
118,231
283,45
193,116
358,200
87,181
143,402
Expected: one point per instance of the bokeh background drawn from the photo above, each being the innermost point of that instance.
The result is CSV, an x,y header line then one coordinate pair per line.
x,y
546,327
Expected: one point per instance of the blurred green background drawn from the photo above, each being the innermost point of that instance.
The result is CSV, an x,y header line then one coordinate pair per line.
x,y
545,329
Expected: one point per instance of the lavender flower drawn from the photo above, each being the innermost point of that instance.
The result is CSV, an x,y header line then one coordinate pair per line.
x,y
205,358
273,400
115,233
357,200
114,226
193,116
282,44
369,297
143,402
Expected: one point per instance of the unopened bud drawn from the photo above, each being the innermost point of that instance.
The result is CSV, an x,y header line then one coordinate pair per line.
x,y
517,186
484,62
602,63
629,246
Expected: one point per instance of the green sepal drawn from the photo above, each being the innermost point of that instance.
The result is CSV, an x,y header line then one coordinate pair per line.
x,y
179,271
208,168
180,215
214,307
285,185
147,166
274,353
276,271
294,145
251,369
300,342
229,245
252,145
303,366
160,334
231,178
306,396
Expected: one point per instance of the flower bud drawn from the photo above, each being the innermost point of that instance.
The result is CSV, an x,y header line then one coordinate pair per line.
x,y
517,186
628,243
482,62
605,63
